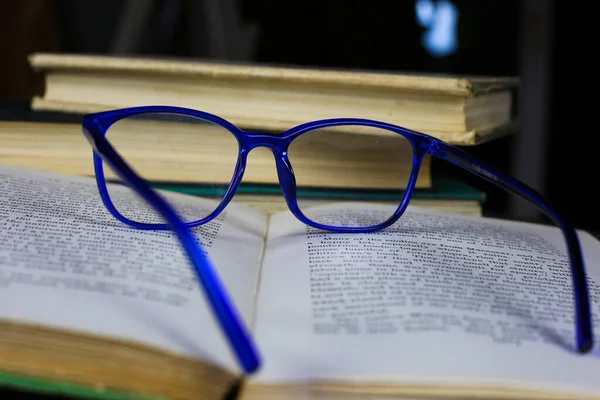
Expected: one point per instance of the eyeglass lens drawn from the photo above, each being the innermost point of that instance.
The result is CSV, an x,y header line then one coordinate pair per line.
x,y
350,164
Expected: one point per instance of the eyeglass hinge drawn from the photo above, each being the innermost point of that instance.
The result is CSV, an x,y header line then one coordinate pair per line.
x,y
434,147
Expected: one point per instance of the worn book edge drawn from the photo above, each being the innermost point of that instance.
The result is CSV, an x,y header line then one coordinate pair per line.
x,y
42,358
352,390
465,86
467,138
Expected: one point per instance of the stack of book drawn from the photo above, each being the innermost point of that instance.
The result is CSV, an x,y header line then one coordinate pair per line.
x,y
439,306
461,111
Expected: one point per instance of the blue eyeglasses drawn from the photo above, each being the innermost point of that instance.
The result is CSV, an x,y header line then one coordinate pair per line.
x,y
323,141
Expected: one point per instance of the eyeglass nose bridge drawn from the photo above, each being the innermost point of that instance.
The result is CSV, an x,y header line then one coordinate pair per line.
x,y
251,140
285,173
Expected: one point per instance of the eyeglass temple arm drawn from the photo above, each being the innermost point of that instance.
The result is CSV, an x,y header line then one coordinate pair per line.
x,y
216,294
221,305
581,297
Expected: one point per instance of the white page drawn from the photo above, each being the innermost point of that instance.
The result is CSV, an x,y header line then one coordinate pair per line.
x,y
411,319
66,261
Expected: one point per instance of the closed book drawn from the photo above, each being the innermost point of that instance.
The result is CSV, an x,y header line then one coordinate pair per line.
x,y
463,110
446,193
186,153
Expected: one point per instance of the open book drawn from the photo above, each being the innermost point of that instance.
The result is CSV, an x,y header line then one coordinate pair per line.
x,y
437,305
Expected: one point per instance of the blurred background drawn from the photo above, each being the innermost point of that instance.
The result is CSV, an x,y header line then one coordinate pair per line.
x,y
545,43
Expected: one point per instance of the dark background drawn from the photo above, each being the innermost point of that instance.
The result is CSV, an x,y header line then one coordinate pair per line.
x,y
549,44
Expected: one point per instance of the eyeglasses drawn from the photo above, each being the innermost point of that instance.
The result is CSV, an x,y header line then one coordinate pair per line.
x,y
323,140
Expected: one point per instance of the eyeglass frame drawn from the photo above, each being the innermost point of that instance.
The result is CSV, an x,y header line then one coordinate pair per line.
x,y
96,125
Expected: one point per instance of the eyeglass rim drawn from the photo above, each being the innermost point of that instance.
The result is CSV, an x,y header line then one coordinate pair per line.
x,y
246,142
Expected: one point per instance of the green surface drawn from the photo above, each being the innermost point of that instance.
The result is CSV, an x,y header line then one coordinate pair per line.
x,y
48,387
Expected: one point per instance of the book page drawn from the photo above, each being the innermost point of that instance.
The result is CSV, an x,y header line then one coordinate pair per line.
x,y
67,262
435,299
